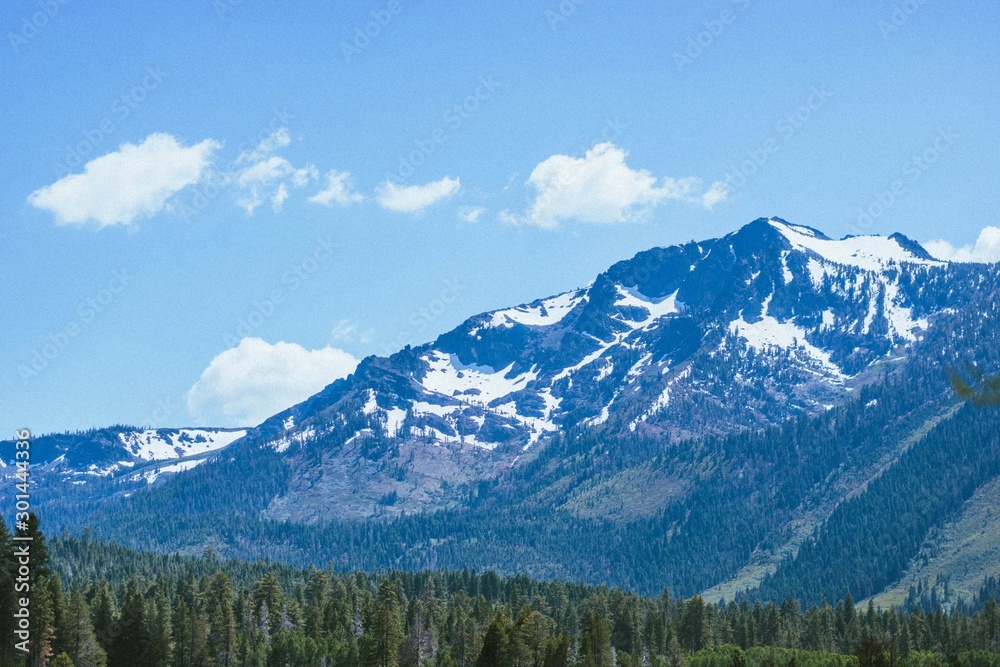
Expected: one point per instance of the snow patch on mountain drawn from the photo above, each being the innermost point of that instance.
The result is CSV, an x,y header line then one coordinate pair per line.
x,y
632,298
152,475
394,418
545,312
282,444
478,385
871,253
425,408
162,444
768,334
663,400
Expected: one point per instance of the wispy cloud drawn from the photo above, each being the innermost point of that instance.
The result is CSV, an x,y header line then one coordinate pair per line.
x,y
246,384
134,181
338,190
986,250
415,198
260,174
717,193
346,331
266,147
470,213
601,188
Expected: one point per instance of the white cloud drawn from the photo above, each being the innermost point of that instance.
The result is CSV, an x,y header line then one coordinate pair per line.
x,y
345,331
278,200
470,213
134,181
338,190
986,250
414,198
601,188
261,174
264,171
245,385
717,193
267,146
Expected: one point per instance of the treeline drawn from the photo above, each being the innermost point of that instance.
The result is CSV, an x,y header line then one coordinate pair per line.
x,y
172,611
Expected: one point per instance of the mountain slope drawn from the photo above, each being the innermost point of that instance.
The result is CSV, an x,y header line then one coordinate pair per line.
x,y
689,419
771,321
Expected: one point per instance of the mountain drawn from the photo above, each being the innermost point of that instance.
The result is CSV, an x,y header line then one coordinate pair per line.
x,y
771,321
119,452
719,416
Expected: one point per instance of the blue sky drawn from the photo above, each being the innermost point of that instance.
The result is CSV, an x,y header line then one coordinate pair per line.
x,y
190,184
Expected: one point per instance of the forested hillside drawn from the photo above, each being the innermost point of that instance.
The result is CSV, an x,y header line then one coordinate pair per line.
x,y
100,605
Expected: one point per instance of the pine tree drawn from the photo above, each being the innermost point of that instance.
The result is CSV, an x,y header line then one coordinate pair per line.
x,y
39,556
158,631
557,652
675,656
221,642
496,642
409,652
78,638
131,636
533,631
693,628
104,609
595,645
58,602
184,624
383,636
317,599
267,593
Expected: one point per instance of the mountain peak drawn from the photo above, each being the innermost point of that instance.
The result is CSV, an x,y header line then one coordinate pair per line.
x,y
912,247
867,252
805,230
640,346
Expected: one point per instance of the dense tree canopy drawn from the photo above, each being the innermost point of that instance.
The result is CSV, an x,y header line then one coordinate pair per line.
x,y
106,606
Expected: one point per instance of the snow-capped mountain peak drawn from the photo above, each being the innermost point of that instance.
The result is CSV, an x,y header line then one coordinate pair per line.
x,y
772,319
871,253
